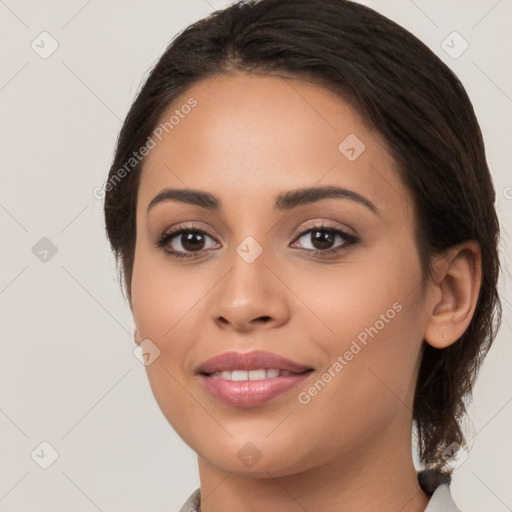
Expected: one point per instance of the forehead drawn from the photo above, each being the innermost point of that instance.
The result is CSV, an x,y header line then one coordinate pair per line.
x,y
252,135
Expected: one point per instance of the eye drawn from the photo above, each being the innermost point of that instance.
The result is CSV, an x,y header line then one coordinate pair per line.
x,y
183,242
190,242
322,239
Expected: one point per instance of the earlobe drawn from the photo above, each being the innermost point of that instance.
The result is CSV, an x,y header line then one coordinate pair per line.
x,y
456,291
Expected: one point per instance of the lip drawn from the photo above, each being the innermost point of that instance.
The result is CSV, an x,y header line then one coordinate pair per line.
x,y
229,361
250,393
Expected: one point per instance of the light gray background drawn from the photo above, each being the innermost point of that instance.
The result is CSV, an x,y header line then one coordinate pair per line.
x,y
67,372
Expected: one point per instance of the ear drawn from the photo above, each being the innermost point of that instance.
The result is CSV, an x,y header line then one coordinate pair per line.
x,y
454,294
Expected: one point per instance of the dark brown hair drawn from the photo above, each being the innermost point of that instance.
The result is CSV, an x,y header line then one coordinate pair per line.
x,y
408,95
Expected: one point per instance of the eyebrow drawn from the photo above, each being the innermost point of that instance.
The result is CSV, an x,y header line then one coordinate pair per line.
x,y
283,202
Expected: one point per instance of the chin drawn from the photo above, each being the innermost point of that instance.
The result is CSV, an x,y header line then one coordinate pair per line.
x,y
260,458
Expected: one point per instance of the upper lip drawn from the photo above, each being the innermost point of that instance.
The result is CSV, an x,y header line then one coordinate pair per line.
x,y
255,360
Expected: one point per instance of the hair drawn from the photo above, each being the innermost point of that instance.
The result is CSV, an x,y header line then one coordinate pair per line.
x,y
404,92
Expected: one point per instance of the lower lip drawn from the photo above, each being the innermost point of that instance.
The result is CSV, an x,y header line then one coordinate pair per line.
x,y
251,393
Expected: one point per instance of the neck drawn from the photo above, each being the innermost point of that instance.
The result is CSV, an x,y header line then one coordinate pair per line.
x,y
379,477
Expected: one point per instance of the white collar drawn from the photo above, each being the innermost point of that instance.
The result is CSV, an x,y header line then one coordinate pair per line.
x,y
441,500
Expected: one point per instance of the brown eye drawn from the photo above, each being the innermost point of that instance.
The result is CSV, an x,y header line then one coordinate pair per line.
x,y
184,242
323,239
191,240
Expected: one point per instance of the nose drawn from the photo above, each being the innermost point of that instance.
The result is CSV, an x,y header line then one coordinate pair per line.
x,y
250,297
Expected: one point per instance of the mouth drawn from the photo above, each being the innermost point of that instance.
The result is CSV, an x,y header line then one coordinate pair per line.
x,y
261,374
250,379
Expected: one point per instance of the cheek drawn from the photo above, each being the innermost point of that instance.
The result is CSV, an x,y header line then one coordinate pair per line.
x,y
169,309
340,302
370,332
163,296
163,311
368,377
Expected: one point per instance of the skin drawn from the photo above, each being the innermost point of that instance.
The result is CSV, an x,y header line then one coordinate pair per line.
x,y
248,139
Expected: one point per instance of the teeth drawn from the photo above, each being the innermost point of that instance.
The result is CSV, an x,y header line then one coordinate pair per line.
x,y
241,375
257,374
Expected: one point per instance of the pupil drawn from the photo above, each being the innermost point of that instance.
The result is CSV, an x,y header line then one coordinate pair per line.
x,y
192,240
323,238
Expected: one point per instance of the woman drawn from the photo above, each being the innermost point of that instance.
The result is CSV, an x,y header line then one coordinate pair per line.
x,y
304,222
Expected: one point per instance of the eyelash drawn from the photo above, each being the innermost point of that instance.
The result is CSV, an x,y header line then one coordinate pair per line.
x,y
326,227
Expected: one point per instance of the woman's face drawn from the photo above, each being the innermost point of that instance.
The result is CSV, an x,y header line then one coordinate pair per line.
x,y
349,309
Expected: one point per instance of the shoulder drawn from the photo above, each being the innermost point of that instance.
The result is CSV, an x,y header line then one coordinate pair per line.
x,y
436,484
193,504
442,501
